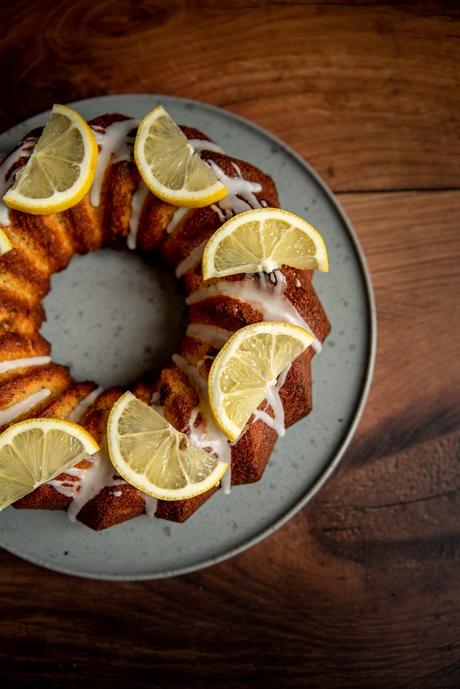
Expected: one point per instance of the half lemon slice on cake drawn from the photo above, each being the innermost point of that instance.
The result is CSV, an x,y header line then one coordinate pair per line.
x,y
170,167
246,370
35,451
263,239
61,168
154,457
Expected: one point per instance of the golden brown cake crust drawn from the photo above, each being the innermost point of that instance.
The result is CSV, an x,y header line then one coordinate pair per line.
x,y
24,382
43,245
14,345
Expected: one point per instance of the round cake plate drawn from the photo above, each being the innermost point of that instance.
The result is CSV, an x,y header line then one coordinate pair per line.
x,y
302,461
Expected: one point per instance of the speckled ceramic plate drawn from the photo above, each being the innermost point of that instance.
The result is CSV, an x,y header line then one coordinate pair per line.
x,y
113,316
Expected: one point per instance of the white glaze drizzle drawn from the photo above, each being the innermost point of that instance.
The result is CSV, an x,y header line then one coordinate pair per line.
x,y
199,145
298,283
137,203
6,366
113,147
7,179
238,185
274,400
241,193
226,480
191,260
176,218
207,435
64,487
216,336
142,191
264,293
91,481
84,404
10,413
242,197
150,505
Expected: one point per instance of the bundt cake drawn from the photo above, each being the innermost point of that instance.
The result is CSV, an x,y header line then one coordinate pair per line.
x,y
120,212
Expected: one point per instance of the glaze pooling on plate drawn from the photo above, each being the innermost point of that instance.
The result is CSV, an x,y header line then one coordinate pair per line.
x,y
226,526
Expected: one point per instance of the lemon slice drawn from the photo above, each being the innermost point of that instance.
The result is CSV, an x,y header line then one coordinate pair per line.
x,y
154,457
61,168
5,244
246,368
170,167
263,239
35,451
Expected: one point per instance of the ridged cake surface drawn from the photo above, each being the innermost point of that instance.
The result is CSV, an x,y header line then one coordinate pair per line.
x,y
119,212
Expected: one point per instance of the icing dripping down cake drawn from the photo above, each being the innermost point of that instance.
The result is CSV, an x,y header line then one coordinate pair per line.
x,y
120,212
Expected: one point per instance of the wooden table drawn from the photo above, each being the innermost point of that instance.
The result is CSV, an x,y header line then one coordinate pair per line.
x,y
362,588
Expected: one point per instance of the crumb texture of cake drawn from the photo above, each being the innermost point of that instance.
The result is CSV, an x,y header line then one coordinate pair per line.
x,y
121,213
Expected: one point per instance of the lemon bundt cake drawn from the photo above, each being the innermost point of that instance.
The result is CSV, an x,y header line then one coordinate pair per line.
x,y
118,212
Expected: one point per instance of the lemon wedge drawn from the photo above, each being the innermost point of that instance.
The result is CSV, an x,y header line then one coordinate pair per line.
x,y
170,167
263,239
5,244
35,451
61,168
154,457
246,369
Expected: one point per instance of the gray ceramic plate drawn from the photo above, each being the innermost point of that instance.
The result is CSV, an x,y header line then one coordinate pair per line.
x,y
134,322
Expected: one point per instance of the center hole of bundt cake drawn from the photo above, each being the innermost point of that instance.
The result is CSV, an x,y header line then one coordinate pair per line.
x,y
113,317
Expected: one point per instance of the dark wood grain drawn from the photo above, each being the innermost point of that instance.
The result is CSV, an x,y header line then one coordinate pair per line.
x,y
361,589
369,94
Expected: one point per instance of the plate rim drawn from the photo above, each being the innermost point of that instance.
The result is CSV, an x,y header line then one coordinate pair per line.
x,y
362,397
